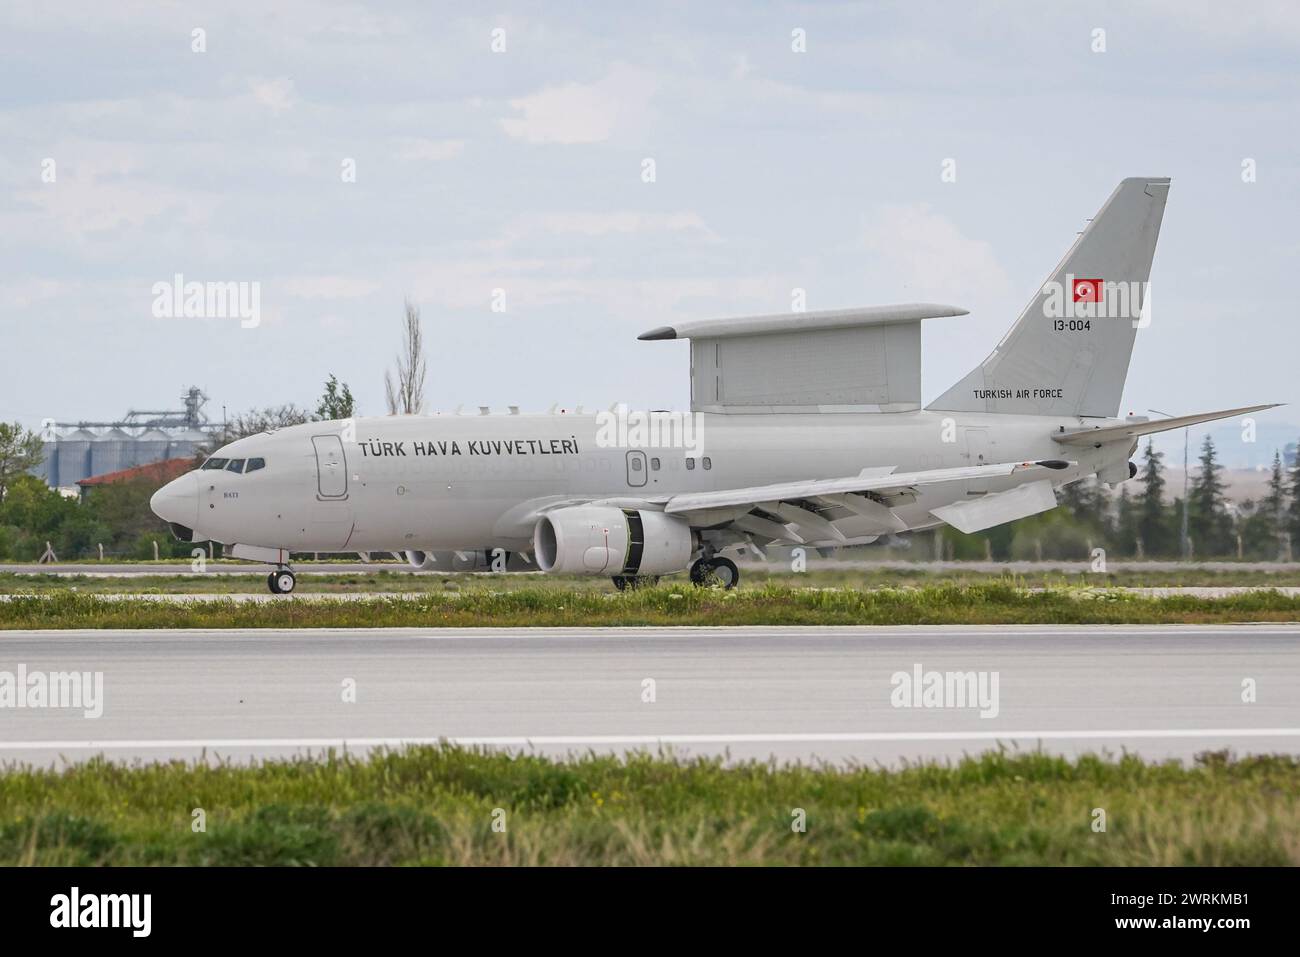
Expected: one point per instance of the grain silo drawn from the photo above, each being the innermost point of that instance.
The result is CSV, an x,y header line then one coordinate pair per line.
x,y
72,457
111,451
141,437
154,445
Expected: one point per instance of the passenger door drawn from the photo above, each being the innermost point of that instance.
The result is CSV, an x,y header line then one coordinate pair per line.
x,y
331,513
331,467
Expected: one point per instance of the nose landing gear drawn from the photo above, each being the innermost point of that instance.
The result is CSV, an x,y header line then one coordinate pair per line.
x,y
281,581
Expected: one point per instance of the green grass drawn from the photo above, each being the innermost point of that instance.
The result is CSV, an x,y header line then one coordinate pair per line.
x,y
398,580
434,805
667,604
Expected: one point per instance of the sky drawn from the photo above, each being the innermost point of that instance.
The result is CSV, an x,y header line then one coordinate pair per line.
x,y
547,181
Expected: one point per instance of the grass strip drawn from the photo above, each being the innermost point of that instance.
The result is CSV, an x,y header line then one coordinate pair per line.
x,y
437,805
991,603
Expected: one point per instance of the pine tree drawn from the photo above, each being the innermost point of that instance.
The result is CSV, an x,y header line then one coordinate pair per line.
x,y
1086,501
1291,521
1211,526
1125,527
1152,519
1274,504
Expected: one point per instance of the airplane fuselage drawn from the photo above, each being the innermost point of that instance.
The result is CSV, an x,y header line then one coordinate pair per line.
x,y
477,482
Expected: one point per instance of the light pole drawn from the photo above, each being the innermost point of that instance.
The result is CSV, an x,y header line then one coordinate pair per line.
x,y
1182,535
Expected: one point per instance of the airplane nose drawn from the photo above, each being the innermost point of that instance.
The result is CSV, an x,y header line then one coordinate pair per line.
x,y
177,504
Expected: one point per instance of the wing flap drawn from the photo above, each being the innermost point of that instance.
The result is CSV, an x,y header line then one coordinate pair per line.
x,y
998,508
896,482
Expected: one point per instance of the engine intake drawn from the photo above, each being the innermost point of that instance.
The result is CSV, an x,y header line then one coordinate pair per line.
x,y
604,540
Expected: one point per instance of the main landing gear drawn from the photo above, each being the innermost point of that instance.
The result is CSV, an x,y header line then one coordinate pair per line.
x,y
281,581
715,571
624,582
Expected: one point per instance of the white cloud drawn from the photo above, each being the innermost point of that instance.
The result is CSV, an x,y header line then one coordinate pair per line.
x,y
585,113
1269,20
276,94
926,252
329,287
535,283
627,222
28,292
92,197
415,148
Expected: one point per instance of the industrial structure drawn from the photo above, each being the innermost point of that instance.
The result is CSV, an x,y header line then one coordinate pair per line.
x,y
75,451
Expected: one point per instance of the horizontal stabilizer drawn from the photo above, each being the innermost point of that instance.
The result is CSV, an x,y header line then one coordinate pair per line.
x,y
1131,430
999,508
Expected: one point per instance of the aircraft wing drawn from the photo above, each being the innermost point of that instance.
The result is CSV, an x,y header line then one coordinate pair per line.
x,y
1131,430
821,512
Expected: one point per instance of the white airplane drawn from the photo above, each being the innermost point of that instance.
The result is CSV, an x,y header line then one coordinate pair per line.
x,y
806,429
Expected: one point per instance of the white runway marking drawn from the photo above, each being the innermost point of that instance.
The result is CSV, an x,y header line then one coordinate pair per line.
x,y
550,740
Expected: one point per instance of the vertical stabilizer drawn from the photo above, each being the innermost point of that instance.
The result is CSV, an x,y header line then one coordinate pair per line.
x,y
1069,351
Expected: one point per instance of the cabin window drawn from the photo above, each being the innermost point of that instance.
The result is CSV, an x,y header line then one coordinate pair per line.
x,y
654,465
708,462
636,464
690,463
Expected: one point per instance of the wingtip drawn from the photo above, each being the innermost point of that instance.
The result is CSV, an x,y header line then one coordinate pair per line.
x,y
663,332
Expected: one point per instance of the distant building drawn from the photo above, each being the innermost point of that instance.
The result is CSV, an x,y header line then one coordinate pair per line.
x,y
76,451
157,473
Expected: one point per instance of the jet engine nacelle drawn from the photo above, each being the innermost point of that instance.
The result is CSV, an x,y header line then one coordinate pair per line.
x,y
420,561
604,540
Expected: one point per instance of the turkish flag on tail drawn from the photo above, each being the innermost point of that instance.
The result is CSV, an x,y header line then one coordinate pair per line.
x,y
1088,290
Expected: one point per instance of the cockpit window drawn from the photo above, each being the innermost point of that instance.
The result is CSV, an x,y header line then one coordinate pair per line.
x,y
215,463
255,464
236,465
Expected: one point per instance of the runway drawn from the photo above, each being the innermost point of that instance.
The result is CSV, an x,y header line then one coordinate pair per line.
x,y
769,693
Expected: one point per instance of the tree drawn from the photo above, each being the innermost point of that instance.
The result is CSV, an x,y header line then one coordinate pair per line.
x,y
20,451
1211,525
1125,520
1291,522
1089,505
337,402
265,420
1152,518
1273,510
405,394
